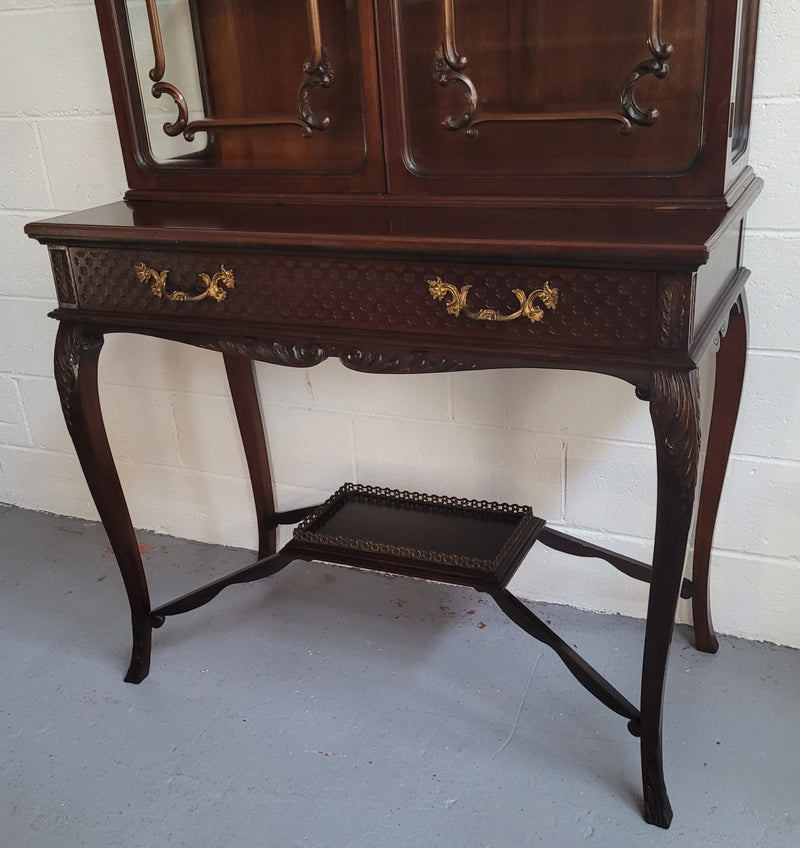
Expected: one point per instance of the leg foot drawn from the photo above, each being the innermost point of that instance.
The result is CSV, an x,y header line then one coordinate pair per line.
x,y
657,809
139,666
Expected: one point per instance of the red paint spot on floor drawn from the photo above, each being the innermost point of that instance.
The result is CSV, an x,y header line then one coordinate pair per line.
x,y
482,601
400,603
470,612
481,625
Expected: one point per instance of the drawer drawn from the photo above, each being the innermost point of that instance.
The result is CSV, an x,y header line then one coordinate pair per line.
x,y
488,303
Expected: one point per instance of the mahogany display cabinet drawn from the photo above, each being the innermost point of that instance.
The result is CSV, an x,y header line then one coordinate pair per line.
x,y
415,186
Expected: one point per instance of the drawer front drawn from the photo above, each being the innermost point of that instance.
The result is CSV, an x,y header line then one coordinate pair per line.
x,y
551,307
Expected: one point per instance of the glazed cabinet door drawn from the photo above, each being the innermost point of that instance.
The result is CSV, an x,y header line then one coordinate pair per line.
x,y
249,95
495,95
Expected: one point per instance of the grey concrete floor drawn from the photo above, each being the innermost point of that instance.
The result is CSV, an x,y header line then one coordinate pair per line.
x,y
329,707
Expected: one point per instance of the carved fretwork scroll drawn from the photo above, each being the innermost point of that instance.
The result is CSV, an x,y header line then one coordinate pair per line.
x,y
317,68
308,353
449,67
657,66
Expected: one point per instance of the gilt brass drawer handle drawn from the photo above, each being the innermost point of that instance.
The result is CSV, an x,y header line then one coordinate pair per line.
x,y
529,308
216,286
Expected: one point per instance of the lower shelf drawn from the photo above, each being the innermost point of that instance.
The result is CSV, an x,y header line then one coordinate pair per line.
x,y
471,543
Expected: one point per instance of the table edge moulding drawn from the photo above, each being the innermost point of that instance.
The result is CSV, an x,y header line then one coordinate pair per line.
x,y
395,270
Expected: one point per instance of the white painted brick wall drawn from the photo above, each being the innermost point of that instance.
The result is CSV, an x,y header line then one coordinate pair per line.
x,y
576,446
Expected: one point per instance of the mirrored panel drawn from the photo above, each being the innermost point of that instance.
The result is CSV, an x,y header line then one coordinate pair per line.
x,y
268,85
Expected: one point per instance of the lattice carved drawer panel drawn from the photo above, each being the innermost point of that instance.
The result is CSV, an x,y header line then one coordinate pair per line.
x,y
552,307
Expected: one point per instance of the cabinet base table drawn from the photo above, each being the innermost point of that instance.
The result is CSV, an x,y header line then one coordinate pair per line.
x,y
403,290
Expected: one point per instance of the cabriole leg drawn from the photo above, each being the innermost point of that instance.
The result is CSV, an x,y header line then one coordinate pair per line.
x,y
76,354
728,381
241,379
674,409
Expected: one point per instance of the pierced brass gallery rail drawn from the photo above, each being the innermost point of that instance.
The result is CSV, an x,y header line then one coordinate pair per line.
x,y
529,308
317,68
216,287
450,67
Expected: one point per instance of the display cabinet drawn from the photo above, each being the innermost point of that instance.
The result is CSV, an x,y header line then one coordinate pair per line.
x,y
417,186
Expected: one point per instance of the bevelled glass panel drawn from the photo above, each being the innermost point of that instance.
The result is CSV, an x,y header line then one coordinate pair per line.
x,y
251,84
517,87
746,37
